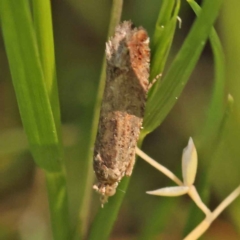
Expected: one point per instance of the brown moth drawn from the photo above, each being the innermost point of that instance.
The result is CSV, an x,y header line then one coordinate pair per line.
x,y
122,111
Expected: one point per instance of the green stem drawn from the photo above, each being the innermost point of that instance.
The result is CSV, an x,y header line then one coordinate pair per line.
x,y
58,205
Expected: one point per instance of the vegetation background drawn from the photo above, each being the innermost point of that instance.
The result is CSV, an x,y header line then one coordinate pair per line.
x,y
80,30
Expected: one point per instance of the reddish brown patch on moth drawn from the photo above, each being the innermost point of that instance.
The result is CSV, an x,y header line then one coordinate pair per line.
x,y
123,105
138,55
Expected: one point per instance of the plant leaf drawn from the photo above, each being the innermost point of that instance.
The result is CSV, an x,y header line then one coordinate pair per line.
x,y
170,191
189,163
164,97
28,80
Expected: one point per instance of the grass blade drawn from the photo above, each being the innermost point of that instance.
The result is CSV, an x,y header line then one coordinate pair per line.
x,y
106,217
163,36
44,33
163,99
37,97
56,182
210,134
216,109
28,81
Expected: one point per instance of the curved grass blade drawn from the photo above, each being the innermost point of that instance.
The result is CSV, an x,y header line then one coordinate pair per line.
x,y
216,108
211,132
163,99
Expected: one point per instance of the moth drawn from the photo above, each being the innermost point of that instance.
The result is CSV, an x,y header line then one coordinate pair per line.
x,y
123,105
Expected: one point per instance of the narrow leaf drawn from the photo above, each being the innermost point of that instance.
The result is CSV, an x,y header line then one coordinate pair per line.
x,y
163,99
170,191
28,81
189,163
216,109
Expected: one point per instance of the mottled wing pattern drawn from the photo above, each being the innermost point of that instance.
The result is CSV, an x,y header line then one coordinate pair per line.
x,y
123,105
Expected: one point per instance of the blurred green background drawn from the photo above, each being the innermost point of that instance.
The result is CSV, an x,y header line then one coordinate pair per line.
x,y
80,29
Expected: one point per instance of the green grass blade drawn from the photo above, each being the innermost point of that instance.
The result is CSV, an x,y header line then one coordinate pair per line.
x,y
211,133
163,99
231,36
28,81
37,98
42,18
106,217
216,109
56,182
163,36
58,205
161,43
